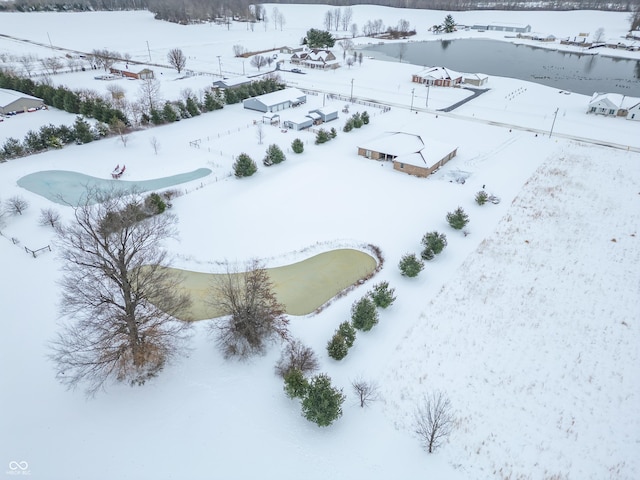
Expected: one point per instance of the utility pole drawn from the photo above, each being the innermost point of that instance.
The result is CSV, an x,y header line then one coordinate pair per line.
x,y
220,65
352,90
50,44
555,114
412,93
427,104
149,50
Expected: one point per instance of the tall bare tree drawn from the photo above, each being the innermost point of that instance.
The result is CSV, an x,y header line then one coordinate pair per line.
x,y
347,14
119,303
433,420
177,59
258,61
255,317
149,94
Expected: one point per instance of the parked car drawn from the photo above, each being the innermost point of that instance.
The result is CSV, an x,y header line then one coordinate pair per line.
x,y
296,70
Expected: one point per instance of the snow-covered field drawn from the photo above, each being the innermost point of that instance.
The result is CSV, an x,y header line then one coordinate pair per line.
x,y
529,323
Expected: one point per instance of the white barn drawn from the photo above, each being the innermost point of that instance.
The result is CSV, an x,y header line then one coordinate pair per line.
x,y
275,101
13,101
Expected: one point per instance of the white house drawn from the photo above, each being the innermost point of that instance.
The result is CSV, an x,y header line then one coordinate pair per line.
x,y
615,105
276,101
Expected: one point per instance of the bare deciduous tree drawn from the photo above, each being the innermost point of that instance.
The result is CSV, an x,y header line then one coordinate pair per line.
x,y
49,217
433,420
238,50
366,391
149,94
297,355
51,64
177,59
258,61
119,301
16,205
255,317
353,29
260,133
27,62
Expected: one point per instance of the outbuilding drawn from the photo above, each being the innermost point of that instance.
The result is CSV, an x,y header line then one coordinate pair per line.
x,y
276,101
326,114
297,122
138,73
12,101
410,153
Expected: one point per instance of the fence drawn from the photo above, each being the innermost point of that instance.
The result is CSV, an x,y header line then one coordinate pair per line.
x,y
35,252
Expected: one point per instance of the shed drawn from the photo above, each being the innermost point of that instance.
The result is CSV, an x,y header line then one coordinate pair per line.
x,y
275,101
231,82
476,79
410,153
326,114
137,73
12,101
297,122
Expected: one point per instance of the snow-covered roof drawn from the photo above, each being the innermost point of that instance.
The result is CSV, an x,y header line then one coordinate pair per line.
x,y
10,96
281,96
613,100
439,73
410,148
511,25
297,118
233,81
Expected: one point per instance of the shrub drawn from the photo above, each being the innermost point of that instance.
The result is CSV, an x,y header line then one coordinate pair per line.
x,y
274,155
297,146
348,126
322,402
333,133
458,219
155,204
481,197
410,266
357,120
337,347
365,118
434,244
348,332
382,295
295,383
364,314
244,166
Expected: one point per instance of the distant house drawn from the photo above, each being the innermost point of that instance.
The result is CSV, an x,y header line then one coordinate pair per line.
x,y
125,71
410,153
276,101
325,114
12,101
615,105
315,58
438,76
231,82
509,27
476,79
633,35
503,27
290,50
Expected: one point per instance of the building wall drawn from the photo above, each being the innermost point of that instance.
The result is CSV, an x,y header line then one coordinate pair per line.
x,y
21,105
423,171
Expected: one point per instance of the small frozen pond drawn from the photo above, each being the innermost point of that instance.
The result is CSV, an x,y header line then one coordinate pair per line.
x,y
65,187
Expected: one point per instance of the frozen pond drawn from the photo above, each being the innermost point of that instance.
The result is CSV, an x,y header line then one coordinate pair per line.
x,y
69,188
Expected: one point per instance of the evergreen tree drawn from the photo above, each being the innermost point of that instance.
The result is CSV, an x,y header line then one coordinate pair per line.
x,y
333,133
274,155
364,314
365,118
348,126
382,295
244,166
481,197
337,347
410,266
157,118
192,107
434,244
322,403
82,131
319,39
348,332
322,136
295,383
449,24
297,146
357,120
169,114
458,219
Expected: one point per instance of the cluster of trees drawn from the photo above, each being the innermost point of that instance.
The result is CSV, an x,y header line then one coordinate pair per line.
x,y
338,18
224,11
433,244
179,109
356,120
364,316
324,136
253,89
52,137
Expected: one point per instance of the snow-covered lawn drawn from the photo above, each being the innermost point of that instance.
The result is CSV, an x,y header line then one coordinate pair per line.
x,y
529,323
